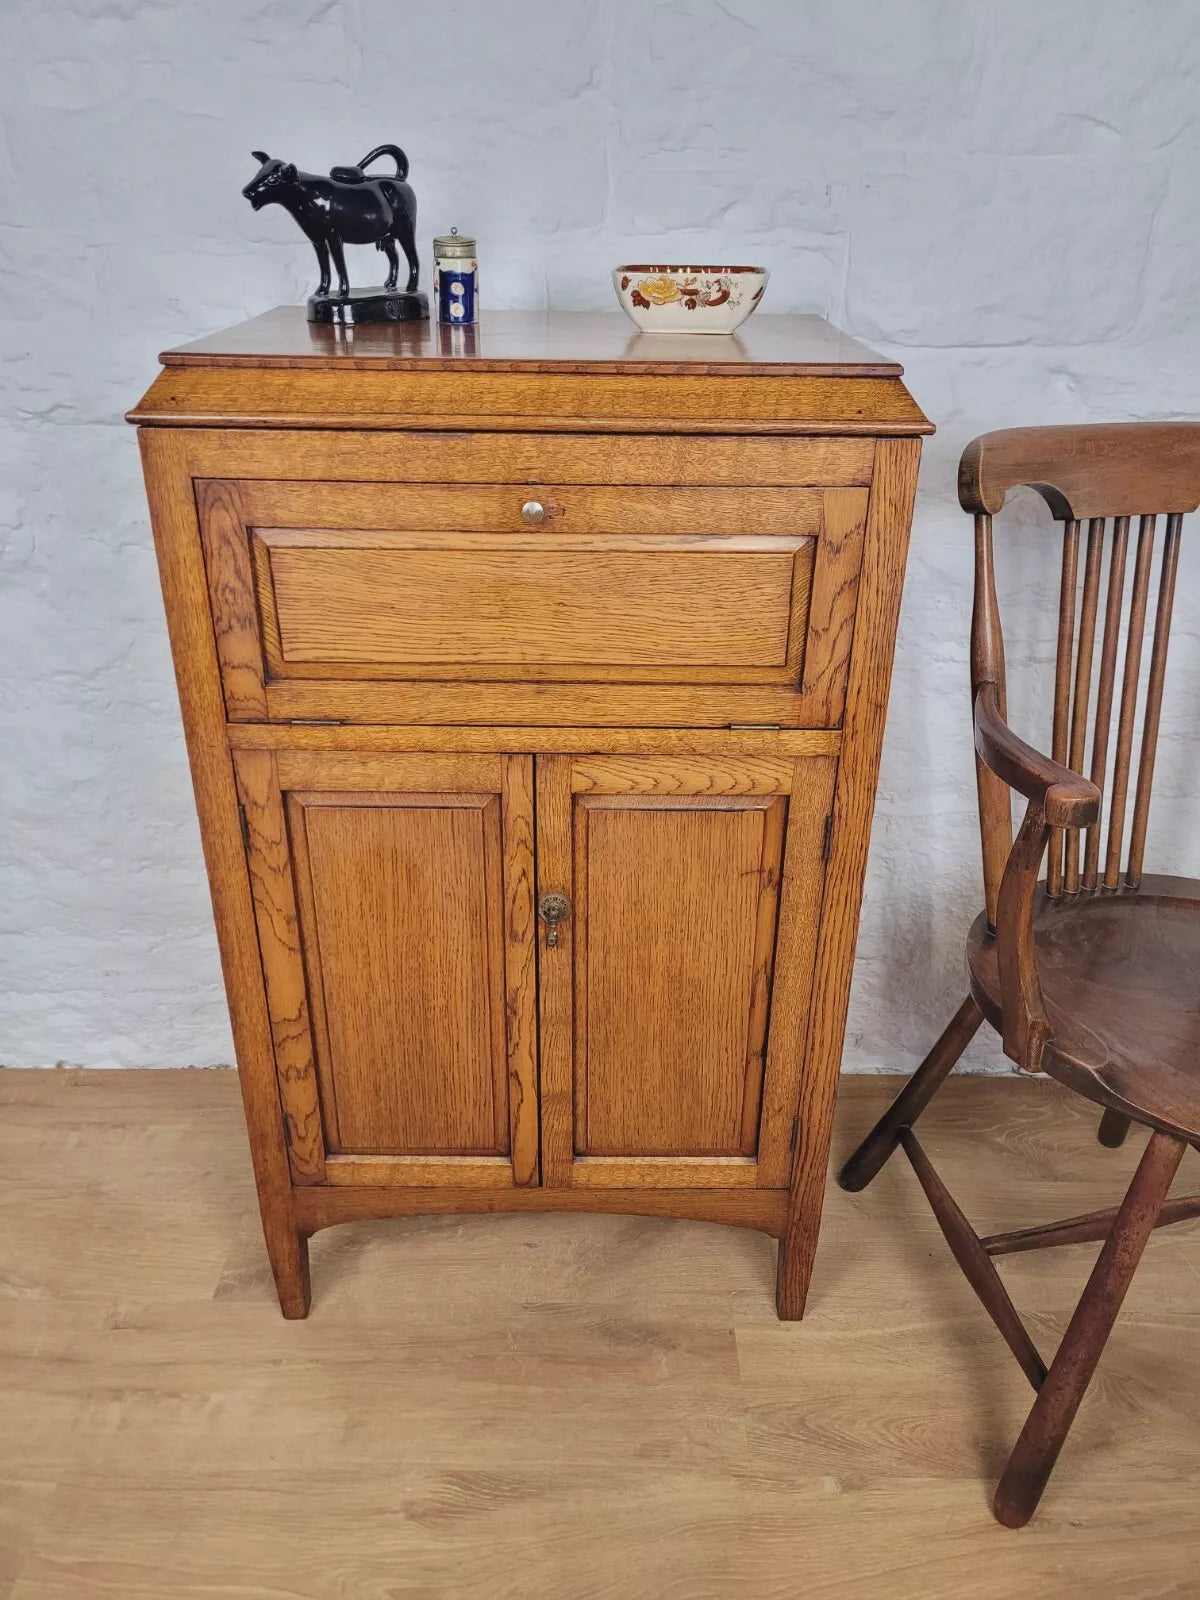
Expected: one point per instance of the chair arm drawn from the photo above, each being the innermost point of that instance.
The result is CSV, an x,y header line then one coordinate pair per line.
x,y
1067,800
1058,798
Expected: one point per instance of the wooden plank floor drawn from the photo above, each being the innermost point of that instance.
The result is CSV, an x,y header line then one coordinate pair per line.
x,y
583,1408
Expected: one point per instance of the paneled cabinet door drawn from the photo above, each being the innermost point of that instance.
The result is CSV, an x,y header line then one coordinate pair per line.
x,y
394,903
674,991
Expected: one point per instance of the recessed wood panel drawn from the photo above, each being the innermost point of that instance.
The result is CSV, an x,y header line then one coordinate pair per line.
x,y
559,600
406,901
666,974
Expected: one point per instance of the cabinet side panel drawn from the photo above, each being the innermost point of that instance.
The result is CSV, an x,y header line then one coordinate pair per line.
x,y
185,595
403,899
889,519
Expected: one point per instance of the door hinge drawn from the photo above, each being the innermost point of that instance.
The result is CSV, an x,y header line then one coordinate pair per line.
x,y
795,1134
316,722
244,825
753,727
827,840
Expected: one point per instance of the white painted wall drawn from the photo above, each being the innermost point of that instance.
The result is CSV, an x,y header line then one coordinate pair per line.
x,y
1002,193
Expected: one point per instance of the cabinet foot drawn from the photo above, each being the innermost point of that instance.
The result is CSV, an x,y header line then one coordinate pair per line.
x,y
288,1251
792,1274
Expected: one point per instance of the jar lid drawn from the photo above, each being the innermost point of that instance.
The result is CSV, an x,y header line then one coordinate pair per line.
x,y
454,246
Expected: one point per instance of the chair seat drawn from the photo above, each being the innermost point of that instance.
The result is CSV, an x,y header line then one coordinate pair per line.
x,y
1120,976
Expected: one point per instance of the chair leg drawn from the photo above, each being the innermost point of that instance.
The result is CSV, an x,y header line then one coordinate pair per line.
x,y
912,1099
1113,1129
1032,1461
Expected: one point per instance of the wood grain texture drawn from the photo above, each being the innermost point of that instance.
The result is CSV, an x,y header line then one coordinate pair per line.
x,y
569,507
556,993
593,1407
1105,686
282,398
723,743
1127,716
429,772
368,625
269,858
1107,469
1154,694
559,602
408,901
833,606
736,1205
664,1172
232,595
633,705
197,674
791,982
680,775
888,521
987,666
674,961
331,460
418,1172
534,341
520,970
673,893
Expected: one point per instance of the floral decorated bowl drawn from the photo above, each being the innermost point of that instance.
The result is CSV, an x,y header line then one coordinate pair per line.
x,y
689,299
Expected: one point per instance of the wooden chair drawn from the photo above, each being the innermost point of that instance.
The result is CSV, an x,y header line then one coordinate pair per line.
x,y
1092,975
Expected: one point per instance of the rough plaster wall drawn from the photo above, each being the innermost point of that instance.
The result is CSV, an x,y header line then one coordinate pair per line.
x,y
1003,195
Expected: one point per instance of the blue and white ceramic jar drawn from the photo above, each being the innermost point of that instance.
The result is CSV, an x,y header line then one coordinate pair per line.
x,y
455,279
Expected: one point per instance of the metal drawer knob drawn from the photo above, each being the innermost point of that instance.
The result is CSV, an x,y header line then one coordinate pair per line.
x,y
533,511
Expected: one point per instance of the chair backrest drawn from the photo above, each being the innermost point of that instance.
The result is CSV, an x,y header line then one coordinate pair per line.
x,y
1107,475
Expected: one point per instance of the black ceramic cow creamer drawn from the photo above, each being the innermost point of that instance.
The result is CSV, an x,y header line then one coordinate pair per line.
x,y
350,207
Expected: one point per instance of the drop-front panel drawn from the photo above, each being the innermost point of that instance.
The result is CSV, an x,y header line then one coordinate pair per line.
x,y
534,688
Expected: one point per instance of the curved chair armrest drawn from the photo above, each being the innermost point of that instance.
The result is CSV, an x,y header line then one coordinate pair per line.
x,y
1066,799
1058,798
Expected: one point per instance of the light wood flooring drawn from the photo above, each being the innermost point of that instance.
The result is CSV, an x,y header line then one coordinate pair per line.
x,y
582,1408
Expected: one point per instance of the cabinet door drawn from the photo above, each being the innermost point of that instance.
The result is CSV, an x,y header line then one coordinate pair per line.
x,y
394,900
674,996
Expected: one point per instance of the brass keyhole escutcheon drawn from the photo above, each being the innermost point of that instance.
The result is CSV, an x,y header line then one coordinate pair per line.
x,y
553,909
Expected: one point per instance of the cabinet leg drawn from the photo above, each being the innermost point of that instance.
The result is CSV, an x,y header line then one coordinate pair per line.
x,y
793,1272
288,1251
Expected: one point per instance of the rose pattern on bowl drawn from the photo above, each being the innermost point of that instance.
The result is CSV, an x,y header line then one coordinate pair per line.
x,y
691,293
688,299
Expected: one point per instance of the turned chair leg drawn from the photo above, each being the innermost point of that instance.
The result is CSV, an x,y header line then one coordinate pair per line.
x,y
1032,1461
912,1099
1113,1129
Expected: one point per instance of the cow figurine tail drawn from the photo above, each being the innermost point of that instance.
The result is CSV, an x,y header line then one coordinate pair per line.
x,y
396,154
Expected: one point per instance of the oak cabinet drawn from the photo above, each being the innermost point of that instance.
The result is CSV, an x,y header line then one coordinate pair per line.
x,y
534,687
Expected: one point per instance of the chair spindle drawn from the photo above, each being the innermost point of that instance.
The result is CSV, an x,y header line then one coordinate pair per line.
x,y
1083,681
1104,689
1129,690
1062,687
1154,694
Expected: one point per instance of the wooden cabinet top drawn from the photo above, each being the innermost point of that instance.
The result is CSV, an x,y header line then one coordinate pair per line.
x,y
561,370
541,341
